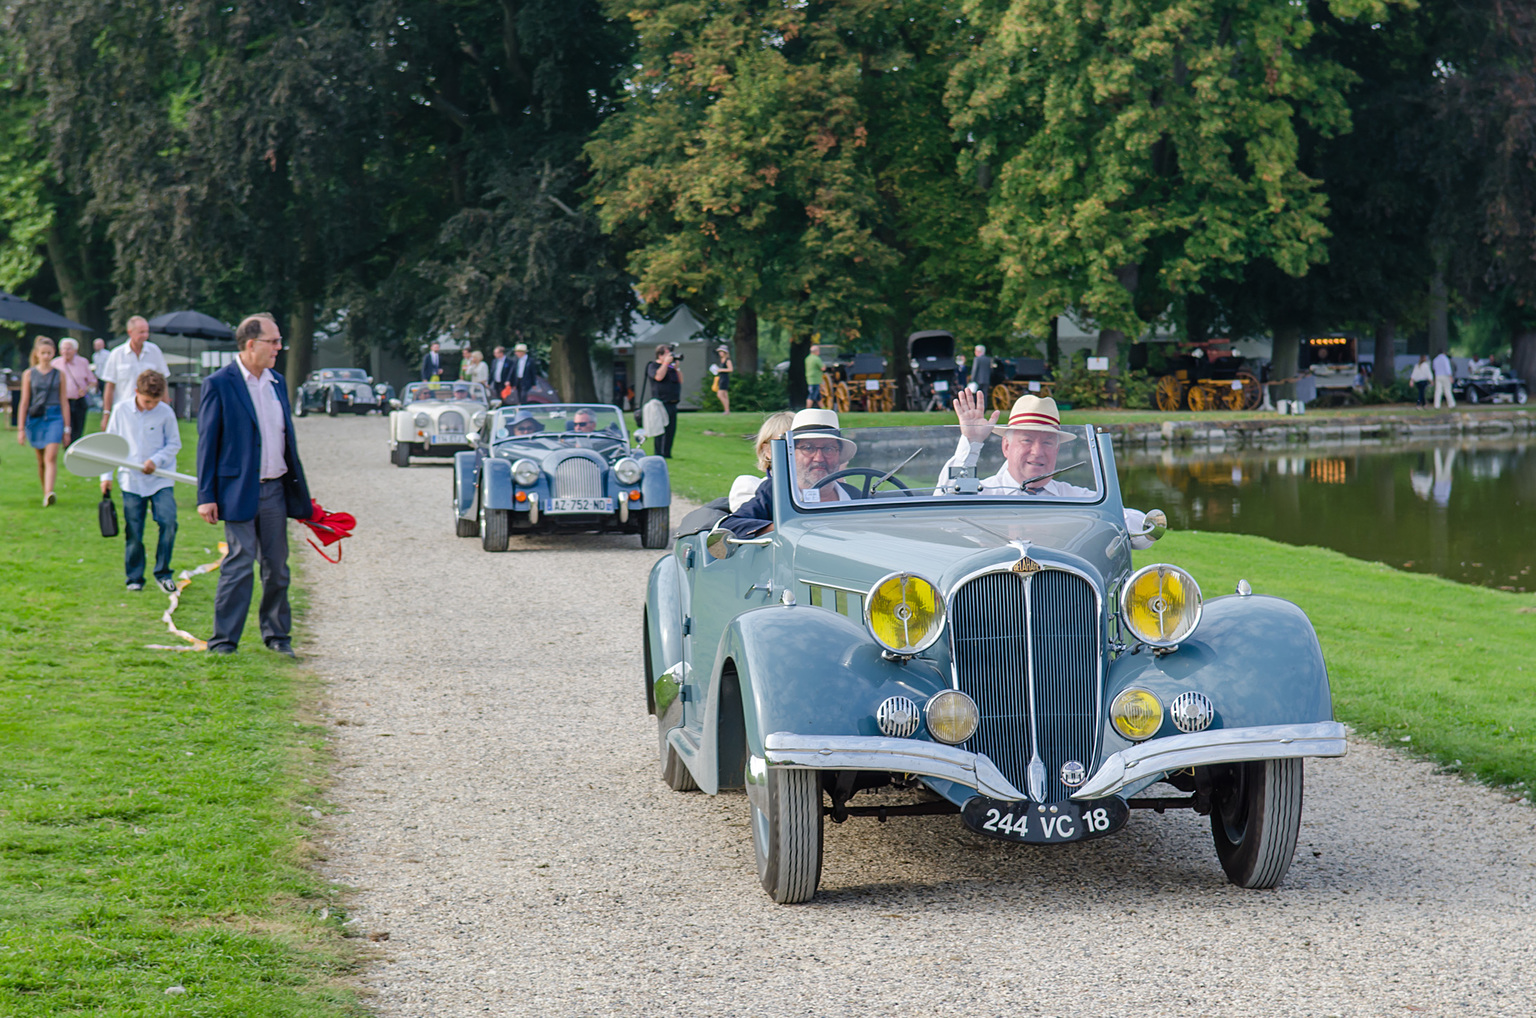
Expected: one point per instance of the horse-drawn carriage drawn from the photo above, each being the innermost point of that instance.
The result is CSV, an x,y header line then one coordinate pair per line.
x,y
1019,376
935,375
1208,376
858,383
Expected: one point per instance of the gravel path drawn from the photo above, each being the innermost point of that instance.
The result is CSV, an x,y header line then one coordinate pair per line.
x,y
503,822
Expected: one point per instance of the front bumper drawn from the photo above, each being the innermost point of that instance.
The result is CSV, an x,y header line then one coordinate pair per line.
x,y
975,770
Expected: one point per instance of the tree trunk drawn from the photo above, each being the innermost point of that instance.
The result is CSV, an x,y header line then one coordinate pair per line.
x,y
570,367
1053,344
1439,315
1129,277
300,339
744,340
1283,360
1385,371
1522,357
798,348
70,262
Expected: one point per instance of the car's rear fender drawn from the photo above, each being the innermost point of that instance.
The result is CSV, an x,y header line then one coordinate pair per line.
x,y
801,669
1256,657
496,483
655,485
464,468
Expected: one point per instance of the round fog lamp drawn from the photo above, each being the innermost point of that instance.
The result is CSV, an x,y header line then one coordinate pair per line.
x,y
952,716
904,613
1137,714
627,471
525,472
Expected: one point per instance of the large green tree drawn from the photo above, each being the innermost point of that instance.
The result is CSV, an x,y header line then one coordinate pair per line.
x,y
1144,147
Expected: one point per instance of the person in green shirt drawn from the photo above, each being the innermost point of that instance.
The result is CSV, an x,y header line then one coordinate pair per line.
x,y
813,370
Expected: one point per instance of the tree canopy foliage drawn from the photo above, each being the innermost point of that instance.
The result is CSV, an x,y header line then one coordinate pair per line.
x,y
394,170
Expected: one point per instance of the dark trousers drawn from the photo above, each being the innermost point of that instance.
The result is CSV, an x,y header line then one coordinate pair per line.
x,y
664,440
1422,386
77,412
162,504
264,538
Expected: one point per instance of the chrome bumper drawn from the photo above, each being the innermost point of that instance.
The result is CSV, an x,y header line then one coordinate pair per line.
x,y
904,756
1224,745
974,770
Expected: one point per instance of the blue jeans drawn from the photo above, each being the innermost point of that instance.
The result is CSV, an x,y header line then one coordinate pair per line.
x,y
162,504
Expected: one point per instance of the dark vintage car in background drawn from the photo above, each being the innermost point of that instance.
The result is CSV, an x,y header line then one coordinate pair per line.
x,y
1487,383
994,656
338,391
559,468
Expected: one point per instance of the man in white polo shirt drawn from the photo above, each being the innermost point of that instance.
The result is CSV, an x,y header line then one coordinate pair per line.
x,y
125,364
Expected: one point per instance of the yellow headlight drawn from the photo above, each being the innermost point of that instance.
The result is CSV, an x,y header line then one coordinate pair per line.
x,y
1160,604
952,716
904,613
1137,714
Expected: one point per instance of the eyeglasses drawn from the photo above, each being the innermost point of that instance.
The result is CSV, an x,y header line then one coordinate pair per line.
x,y
823,450
275,342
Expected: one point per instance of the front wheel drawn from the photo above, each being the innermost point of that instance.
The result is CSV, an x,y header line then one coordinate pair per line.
x,y
400,455
1520,395
495,528
1473,396
1255,817
656,528
330,404
786,830
300,410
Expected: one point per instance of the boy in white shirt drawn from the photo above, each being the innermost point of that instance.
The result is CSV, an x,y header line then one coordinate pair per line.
x,y
149,425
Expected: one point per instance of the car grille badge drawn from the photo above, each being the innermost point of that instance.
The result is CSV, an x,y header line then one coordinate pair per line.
x,y
1073,774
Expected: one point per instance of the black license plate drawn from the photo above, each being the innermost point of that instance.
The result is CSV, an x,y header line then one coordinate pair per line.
x,y
1036,824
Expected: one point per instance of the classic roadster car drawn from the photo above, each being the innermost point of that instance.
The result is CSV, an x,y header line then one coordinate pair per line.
x,y
898,631
559,468
336,391
436,419
1487,383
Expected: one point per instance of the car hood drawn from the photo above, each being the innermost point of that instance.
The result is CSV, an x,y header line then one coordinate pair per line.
x,y
856,549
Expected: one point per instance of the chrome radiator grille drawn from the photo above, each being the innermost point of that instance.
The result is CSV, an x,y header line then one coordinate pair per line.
x,y
578,478
450,422
1010,632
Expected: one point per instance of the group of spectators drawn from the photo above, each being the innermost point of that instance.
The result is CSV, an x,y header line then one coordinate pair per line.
x,y
509,377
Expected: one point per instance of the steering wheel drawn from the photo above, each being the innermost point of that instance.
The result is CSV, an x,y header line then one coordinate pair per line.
x,y
872,480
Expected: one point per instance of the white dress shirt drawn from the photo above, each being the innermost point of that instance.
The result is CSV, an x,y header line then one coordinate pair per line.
x,y
1443,366
99,361
1004,483
152,435
123,368
269,417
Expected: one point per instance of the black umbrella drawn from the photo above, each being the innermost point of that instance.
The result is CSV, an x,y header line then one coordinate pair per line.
x,y
14,309
194,324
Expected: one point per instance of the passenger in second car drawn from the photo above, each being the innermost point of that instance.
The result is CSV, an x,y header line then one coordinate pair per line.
x,y
820,450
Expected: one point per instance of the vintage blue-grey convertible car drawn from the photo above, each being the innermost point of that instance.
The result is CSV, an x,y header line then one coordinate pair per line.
x,y
992,655
558,468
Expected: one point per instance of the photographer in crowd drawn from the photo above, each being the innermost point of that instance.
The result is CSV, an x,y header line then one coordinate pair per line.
x,y
666,383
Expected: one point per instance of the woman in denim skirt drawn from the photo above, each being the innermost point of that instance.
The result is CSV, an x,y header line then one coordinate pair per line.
x,y
44,413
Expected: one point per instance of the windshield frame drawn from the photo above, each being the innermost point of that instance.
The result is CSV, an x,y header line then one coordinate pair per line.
x,y
602,438
408,399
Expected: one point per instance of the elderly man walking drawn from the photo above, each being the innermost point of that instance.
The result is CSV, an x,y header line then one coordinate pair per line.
x,y
121,375
79,382
249,475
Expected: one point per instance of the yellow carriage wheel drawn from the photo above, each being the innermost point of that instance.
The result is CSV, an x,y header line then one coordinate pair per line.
x,y
1253,392
1203,397
1170,393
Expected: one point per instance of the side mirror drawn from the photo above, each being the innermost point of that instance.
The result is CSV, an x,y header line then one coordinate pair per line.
x,y
473,438
394,404
495,404
716,544
638,436
1156,525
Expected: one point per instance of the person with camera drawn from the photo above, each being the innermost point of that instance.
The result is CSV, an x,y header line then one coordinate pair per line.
x,y
666,385
45,413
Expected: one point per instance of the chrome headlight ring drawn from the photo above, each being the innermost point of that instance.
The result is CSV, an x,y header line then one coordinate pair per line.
x,y
525,472
899,590
1160,605
627,471
423,420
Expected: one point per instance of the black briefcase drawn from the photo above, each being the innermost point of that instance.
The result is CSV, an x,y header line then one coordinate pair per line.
x,y
106,515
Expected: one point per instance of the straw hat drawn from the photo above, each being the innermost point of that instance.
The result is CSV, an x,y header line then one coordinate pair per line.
x,y
1034,413
520,348
814,422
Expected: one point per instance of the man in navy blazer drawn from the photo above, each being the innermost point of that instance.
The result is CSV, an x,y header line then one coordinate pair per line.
x,y
249,476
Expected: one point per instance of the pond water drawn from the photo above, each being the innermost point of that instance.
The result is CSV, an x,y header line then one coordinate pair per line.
x,y
1463,509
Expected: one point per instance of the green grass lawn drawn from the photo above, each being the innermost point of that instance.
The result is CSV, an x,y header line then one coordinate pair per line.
x,y
153,804
1445,665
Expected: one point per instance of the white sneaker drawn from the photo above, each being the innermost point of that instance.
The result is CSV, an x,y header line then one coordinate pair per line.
x,y
169,586
135,586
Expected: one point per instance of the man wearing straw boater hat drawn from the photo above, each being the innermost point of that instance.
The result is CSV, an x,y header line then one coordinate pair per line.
x,y
819,451
1032,438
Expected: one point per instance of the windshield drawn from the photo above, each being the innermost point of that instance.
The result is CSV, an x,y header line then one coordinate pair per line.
x,y
344,374
560,425
446,392
1058,465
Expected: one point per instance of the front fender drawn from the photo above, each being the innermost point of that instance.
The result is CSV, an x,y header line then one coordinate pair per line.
x,y
1257,658
664,615
464,471
655,484
801,669
496,483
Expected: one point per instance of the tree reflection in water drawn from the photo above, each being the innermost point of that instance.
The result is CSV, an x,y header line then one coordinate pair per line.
x,y
1463,510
